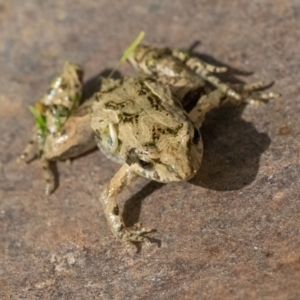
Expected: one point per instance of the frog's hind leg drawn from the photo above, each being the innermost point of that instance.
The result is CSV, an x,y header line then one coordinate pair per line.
x,y
34,149
216,98
200,70
205,70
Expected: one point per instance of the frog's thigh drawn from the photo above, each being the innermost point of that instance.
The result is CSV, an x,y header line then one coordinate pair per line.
x,y
76,139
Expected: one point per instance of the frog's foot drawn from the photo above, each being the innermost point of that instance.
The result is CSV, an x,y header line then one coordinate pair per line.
x,y
251,94
136,234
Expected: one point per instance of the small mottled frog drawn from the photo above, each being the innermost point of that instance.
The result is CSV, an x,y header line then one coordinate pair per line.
x,y
141,124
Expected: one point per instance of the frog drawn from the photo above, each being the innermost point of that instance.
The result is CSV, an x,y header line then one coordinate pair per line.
x,y
141,125
58,132
140,122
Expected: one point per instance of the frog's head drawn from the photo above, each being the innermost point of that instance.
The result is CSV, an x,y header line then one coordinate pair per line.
x,y
143,124
173,156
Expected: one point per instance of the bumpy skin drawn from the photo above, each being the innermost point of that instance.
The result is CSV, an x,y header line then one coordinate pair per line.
x,y
142,123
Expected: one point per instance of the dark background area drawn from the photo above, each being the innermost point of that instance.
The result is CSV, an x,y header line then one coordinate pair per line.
x,y
232,232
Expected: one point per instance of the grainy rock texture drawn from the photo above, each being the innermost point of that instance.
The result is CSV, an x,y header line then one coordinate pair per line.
x,y
233,232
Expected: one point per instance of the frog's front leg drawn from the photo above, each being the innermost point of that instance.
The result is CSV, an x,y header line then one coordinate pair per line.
x,y
31,150
247,92
134,234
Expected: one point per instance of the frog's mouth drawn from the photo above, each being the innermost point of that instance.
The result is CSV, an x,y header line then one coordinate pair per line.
x,y
165,167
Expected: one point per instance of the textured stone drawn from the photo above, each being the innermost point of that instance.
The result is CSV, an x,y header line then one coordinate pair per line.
x,y
230,233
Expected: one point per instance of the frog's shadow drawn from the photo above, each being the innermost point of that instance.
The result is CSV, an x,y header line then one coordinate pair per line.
x,y
232,150
232,146
92,85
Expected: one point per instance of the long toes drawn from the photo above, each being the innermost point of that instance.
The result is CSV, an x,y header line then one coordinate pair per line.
x,y
137,234
21,159
260,96
271,95
254,86
24,158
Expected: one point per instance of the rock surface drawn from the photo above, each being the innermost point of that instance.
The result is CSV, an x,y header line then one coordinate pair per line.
x,y
232,232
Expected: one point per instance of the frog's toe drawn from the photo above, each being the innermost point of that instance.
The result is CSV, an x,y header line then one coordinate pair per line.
x,y
136,234
21,158
27,155
50,186
259,97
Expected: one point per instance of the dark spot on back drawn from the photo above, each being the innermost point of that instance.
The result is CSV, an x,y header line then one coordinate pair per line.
x,y
131,157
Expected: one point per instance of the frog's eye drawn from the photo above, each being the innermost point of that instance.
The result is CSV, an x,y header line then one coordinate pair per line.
x,y
197,136
144,164
142,92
